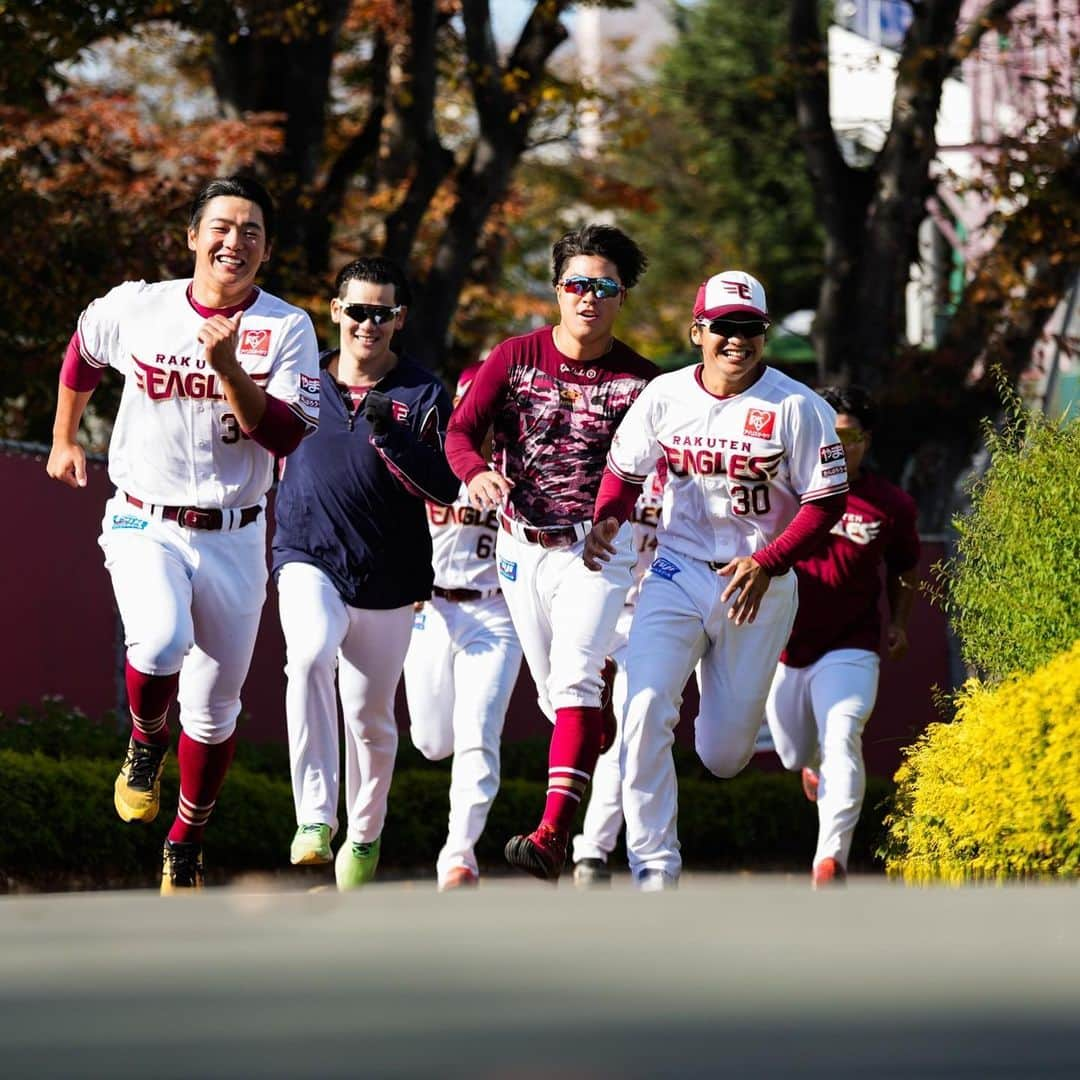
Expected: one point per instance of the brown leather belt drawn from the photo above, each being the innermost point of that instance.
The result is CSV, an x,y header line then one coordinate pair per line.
x,y
556,537
456,596
191,517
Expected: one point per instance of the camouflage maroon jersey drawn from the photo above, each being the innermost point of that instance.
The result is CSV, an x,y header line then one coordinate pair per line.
x,y
553,419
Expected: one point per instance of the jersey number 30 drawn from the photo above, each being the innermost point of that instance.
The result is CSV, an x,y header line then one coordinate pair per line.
x,y
749,500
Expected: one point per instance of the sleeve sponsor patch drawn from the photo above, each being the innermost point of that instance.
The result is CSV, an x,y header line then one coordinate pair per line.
x,y
832,452
834,470
508,569
309,384
255,342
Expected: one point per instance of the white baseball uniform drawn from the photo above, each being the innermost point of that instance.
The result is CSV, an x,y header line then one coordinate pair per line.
x,y
603,815
460,671
190,599
738,469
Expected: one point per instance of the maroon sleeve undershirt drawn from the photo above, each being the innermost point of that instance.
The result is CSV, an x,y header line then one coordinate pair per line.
x,y
804,534
616,497
279,430
75,373
471,419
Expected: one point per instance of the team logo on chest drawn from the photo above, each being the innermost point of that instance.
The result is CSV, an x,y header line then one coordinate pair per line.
x,y
160,385
857,529
255,342
759,423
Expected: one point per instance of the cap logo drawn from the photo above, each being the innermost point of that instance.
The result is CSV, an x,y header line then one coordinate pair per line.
x,y
739,288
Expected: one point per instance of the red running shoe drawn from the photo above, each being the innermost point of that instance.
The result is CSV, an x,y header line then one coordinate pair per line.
x,y
827,874
542,853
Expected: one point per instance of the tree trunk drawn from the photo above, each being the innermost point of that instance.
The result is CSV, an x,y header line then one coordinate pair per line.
x,y
271,70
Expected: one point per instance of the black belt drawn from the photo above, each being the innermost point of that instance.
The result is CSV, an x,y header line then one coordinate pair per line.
x,y
555,537
457,595
191,517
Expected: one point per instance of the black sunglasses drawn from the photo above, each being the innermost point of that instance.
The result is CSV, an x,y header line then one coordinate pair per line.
x,y
743,328
603,288
377,313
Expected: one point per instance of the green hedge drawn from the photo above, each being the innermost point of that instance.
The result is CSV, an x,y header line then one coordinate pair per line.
x,y
60,830
1011,590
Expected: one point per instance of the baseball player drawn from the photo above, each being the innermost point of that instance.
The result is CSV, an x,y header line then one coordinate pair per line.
x,y
219,377
826,682
603,814
351,554
555,397
460,671
756,478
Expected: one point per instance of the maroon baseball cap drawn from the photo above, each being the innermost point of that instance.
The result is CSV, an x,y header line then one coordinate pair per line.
x,y
733,292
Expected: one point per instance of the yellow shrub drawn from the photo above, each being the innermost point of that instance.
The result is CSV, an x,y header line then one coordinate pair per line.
x,y
996,793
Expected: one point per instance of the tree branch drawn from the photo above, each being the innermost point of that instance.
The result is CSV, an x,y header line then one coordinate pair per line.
x,y
993,12
809,58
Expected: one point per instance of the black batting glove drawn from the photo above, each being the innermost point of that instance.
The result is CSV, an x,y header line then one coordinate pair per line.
x,y
378,412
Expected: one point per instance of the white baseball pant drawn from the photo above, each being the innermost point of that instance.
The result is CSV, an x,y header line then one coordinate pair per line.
x,y
190,601
604,813
565,614
367,649
460,671
681,622
816,715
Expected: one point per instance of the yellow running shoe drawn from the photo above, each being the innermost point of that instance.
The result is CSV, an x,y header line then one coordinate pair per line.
x,y
181,868
137,792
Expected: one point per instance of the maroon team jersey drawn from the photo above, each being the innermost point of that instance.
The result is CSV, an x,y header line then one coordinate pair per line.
x,y
840,584
553,419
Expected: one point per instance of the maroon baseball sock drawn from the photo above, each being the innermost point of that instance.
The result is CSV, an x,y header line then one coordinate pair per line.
x,y
575,746
202,772
149,698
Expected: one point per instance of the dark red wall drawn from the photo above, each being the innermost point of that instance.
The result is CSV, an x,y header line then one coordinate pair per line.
x,y
60,633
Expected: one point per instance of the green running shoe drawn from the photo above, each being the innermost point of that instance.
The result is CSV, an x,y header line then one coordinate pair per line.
x,y
311,846
355,864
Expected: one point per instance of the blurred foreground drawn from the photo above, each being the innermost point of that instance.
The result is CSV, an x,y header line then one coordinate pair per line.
x,y
738,976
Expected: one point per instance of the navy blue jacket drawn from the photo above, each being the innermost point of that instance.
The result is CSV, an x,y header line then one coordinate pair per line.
x,y
352,503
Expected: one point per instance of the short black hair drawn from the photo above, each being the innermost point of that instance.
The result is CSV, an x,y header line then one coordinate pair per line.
x,y
239,187
607,242
853,400
379,271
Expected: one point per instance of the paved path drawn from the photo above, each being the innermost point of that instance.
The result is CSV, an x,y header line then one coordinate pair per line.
x,y
731,976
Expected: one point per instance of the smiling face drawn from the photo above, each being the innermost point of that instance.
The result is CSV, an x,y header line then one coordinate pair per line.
x,y
731,363
588,322
230,246
366,343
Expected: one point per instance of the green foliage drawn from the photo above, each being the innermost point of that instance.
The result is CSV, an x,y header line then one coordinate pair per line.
x,y
714,142
996,793
1011,590
57,770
